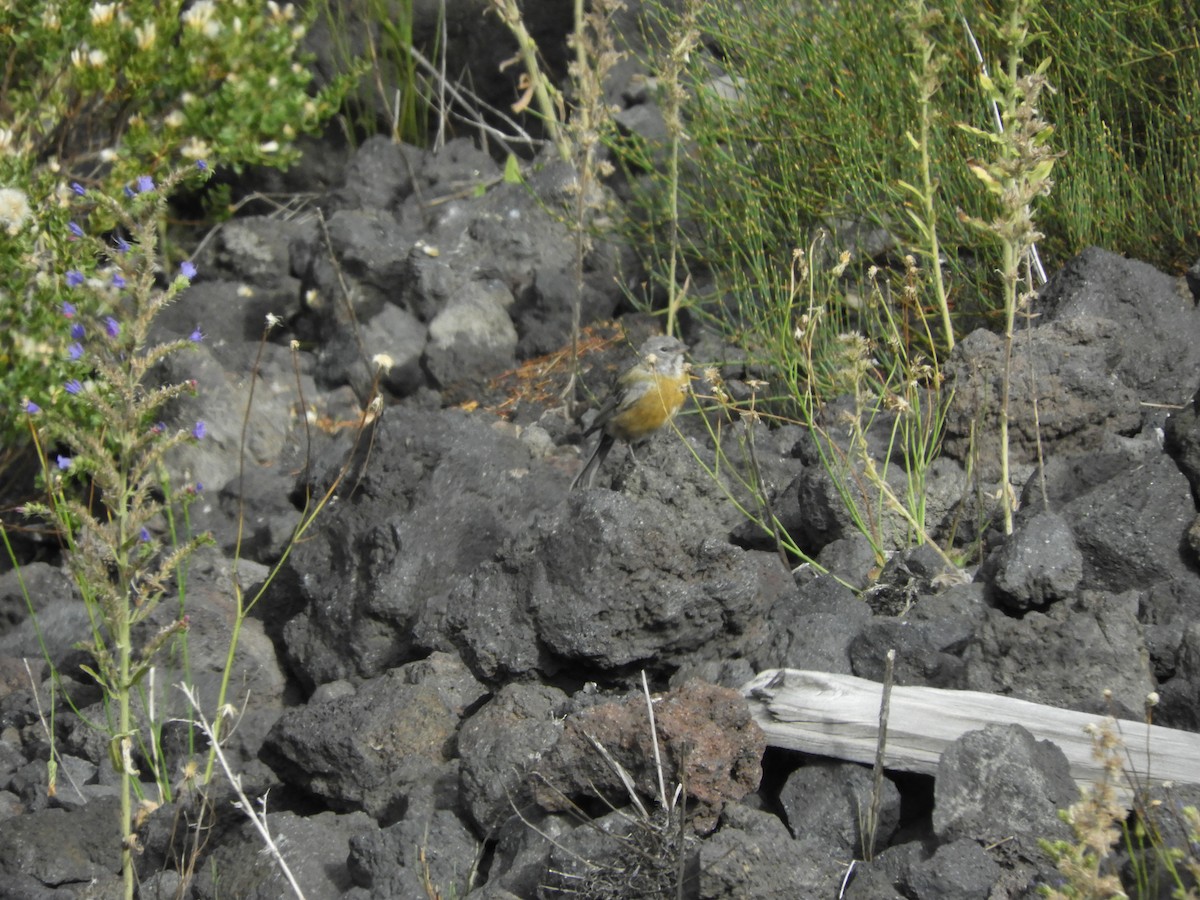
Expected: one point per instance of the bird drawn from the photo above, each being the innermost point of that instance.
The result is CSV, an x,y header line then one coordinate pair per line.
x,y
644,399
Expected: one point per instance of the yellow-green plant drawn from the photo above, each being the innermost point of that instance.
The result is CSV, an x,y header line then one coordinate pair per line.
x,y
921,23
1016,175
537,90
683,39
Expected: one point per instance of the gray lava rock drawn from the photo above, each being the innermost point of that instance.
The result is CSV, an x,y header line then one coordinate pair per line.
x,y
314,847
419,851
1037,565
379,175
1067,657
752,855
929,640
1001,781
372,750
827,802
622,854
500,745
1068,364
658,589
1182,441
56,602
1178,707
1130,529
443,491
813,630
60,847
1155,351
960,869
472,337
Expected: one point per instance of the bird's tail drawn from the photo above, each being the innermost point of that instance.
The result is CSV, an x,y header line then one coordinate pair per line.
x,y
587,475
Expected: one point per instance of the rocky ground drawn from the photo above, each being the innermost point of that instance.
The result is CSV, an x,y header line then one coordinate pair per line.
x,y
424,688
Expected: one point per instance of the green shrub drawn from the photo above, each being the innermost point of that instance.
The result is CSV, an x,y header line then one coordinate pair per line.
x,y
101,94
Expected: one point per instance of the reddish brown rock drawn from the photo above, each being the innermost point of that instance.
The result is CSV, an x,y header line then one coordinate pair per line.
x,y
706,740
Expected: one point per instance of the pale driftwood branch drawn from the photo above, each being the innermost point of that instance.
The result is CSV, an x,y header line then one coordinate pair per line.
x,y
837,716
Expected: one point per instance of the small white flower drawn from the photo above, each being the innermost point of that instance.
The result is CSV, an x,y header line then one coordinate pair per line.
x,y
14,209
97,58
199,14
383,362
174,119
269,147
145,35
102,13
273,320
195,149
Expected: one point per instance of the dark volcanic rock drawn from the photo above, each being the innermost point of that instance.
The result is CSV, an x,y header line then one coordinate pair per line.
x,y
370,750
659,589
1000,781
1037,565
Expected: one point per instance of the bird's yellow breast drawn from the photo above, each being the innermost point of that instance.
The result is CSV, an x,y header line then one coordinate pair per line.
x,y
658,399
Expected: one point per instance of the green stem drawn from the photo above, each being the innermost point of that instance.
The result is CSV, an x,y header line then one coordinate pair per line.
x,y
123,749
939,279
1010,307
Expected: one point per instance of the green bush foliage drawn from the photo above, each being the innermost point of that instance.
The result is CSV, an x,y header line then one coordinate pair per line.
x,y
100,94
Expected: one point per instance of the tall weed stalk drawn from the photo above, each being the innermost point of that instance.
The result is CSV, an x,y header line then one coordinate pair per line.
x,y
1016,175
111,549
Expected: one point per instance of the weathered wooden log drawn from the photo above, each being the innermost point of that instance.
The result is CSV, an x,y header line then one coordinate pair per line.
x,y
838,716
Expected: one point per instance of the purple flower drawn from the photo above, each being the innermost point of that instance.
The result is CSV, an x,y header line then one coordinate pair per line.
x,y
78,331
129,192
64,462
196,336
68,309
187,269
75,351
200,430
118,280
75,229
74,278
73,386
144,535
78,188
201,165
112,326
30,407
145,183
122,245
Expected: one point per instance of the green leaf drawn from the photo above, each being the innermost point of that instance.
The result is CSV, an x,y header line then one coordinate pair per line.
x,y
1042,170
985,175
512,170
